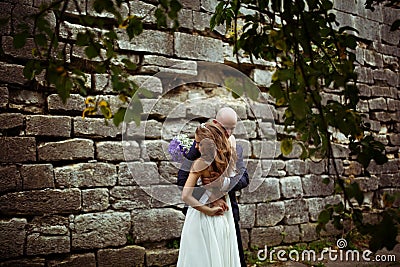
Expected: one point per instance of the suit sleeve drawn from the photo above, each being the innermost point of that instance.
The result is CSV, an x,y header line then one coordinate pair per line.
x,y
184,171
241,180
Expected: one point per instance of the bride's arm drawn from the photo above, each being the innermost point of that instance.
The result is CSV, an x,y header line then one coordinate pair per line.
x,y
187,192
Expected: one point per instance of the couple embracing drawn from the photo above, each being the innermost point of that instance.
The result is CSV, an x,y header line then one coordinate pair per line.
x,y
211,173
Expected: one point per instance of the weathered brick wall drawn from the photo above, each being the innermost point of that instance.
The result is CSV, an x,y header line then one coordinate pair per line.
x,y
68,197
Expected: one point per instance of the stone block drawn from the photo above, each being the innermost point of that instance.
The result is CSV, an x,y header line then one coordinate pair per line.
x,y
201,108
354,168
36,262
383,91
262,77
248,215
169,171
308,232
394,139
151,83
201,21
147,129
364,75
75,103
71,149
393,105
296,211
157,224
95,199
138,173
110,151
362,106
266,236
245,238
313,185
270,214
262,111
17,149
340,151
315,206
171,128
373,58
9,50
41,202
131,150
95,127
389,179
164,195
12,240
37,244
377,104
246,129
5,11
388,76
296,167
37,176
75,260
86,175
100,230
198,47
368,184
164,108
161,257
392,166
10,179
155,150
43,125
129,198
27,101
266,149
390,37
161,42
4,94
267,191
12,73
126,256
11,121
267,130
246,146
291,234
316,167
274,168
208,5
291,187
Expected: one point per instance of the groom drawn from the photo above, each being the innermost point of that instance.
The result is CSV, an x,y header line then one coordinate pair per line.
x,y
227,118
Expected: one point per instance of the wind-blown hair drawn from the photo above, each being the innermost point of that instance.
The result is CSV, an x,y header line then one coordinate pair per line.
x,y
217,150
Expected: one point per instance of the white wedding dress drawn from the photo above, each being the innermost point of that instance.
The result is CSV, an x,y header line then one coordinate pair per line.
x,y
209,241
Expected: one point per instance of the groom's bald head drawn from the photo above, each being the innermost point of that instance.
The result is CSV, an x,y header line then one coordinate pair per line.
x,y
227,118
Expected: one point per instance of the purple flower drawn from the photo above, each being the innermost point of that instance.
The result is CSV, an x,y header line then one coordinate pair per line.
x,y
178,147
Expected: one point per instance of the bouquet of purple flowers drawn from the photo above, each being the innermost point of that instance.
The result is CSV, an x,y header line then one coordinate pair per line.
x,y
179,147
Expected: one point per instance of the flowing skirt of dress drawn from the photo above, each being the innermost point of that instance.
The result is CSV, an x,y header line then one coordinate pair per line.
x,y
208,241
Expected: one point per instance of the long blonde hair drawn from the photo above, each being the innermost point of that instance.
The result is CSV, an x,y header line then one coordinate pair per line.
x,y
217,150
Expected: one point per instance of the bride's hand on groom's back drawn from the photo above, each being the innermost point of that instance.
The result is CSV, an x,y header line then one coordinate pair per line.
x,y
214,211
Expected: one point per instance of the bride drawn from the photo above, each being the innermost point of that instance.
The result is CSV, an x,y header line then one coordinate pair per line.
x,y
208,236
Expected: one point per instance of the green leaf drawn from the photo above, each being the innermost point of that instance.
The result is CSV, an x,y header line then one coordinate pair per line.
x,y
286,146
135,27
298,105
119,116
134,111
83,39
91,51
395,26
20,39
324,217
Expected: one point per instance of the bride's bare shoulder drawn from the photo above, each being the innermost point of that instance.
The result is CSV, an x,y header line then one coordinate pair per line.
x,y
199,165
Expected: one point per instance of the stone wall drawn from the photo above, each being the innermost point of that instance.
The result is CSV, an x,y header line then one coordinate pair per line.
x,y
68,196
